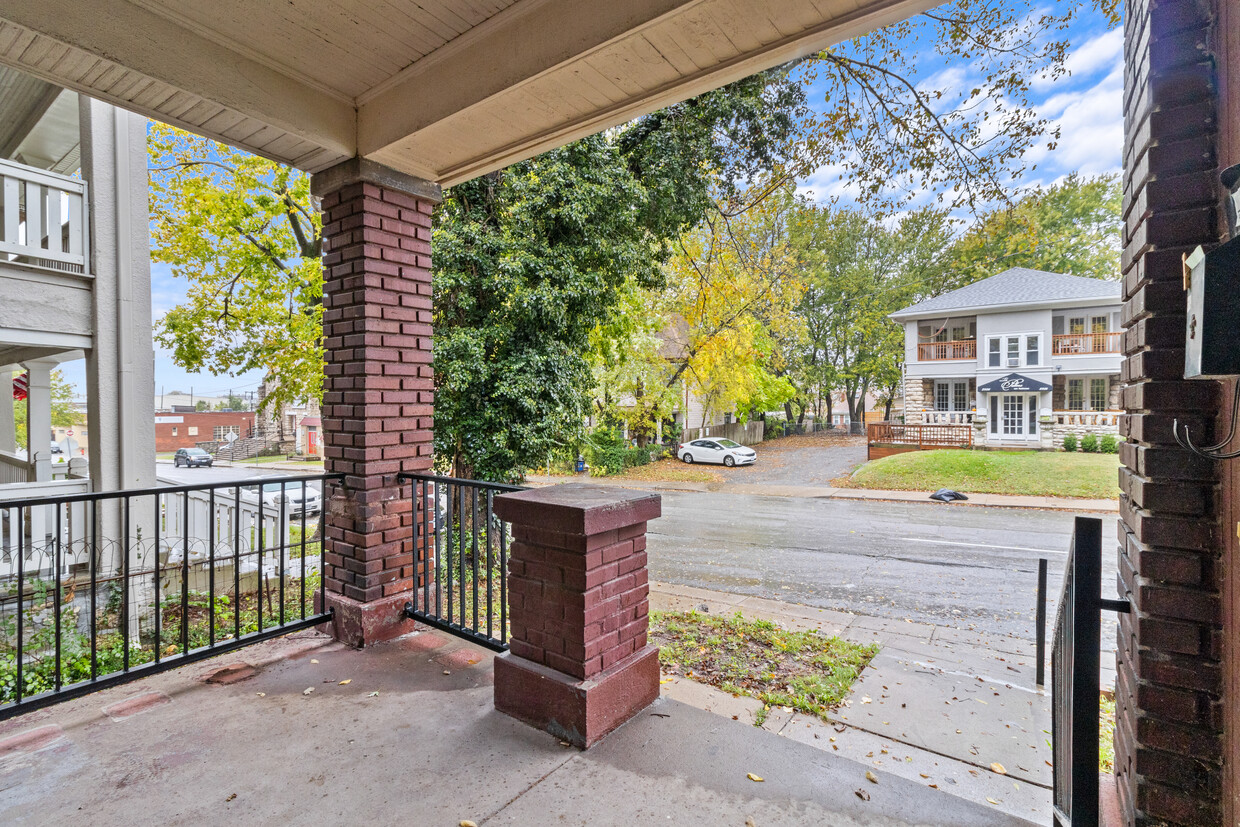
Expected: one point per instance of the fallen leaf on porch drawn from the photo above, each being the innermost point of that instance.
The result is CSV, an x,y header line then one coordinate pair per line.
x,y
753,777
446,672
866,700
231,797
467,823
992,801
314,660
666,680
373,695
261,694
923,775
862,794
345,682
934,786
749,822
999,768
307,690
871,777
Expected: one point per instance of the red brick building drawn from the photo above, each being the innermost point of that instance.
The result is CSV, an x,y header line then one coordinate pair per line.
x,y
185,430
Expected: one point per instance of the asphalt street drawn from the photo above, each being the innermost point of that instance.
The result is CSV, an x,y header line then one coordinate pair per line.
x,y
967,567
165,470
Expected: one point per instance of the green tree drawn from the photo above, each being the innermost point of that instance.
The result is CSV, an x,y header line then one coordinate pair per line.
x,y
859,269
64,413
1072,227
241,230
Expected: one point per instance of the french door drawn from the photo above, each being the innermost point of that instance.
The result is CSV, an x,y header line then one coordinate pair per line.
x,y
1017,416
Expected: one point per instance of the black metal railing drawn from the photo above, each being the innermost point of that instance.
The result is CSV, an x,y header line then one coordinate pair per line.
x,y
99,589
1075,670
460,558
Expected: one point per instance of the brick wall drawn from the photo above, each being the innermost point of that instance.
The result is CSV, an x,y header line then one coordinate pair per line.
x,y
378,395
1169,685
185,430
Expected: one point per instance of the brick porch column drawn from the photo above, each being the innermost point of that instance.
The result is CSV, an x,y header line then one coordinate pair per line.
x,y
579,664
1169,755
378,396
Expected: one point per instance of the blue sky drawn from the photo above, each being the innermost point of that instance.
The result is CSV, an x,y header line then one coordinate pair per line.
x,y
1086,105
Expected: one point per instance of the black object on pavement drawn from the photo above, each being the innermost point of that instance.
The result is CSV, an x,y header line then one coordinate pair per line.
x,y
947,495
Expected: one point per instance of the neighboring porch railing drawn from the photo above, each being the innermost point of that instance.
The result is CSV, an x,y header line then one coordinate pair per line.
x,y
14,468
43,219
1087,418
460,558
946,351
1078,344
923,436
146,580
947,417
1075,671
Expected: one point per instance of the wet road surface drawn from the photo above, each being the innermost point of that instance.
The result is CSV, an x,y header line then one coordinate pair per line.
x,y
967,567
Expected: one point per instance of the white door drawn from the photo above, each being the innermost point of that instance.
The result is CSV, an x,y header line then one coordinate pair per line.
x,y
1013,423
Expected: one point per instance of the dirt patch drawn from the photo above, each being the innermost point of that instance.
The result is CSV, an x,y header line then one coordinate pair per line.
x,y
822,440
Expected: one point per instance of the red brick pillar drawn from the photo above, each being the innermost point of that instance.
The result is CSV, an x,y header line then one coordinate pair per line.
x,y
579,664
378,396
1169,691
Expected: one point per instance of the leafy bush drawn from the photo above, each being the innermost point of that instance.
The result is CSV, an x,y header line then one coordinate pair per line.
x,y
1109,444
1069,443
605,452
1089,443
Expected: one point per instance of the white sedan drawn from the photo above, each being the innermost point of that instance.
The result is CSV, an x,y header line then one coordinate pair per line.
x,y
716,450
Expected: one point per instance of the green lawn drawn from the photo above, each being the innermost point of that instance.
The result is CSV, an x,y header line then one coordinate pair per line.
x,y
1048,474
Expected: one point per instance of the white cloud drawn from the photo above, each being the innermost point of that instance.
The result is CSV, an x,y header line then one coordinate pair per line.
x,y
1104,52
1091,129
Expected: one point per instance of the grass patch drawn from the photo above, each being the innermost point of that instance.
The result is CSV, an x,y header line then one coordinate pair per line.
x,y
669,470
806,671
1037,473
1106,735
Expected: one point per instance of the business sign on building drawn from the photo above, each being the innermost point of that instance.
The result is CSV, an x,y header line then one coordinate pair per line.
x,y
1014,383
169,420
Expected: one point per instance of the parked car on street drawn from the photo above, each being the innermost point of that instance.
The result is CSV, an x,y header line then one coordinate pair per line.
x,y
723,451
189,457
277,495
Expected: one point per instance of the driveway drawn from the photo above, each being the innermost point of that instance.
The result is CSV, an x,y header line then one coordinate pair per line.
x,y
800,460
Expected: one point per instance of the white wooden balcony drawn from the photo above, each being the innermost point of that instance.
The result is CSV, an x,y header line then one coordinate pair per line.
x,y
43,221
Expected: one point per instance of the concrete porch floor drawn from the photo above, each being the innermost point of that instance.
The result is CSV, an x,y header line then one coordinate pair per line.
x,y
412,738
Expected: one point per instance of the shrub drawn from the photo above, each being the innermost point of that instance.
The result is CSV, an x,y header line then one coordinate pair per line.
x,y
1069,443
1109,444
1089,443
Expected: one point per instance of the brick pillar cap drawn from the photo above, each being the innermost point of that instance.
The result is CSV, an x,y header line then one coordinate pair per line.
x,y
579,508
364,170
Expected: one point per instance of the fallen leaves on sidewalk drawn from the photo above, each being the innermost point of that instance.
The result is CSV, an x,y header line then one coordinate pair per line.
x,y
307,690
862,794
753,777
871,777
999,768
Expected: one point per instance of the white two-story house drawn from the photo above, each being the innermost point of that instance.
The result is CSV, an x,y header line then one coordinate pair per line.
x,y
1024,356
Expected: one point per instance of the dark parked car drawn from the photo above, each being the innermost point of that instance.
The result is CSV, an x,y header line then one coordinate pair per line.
x,y
189,457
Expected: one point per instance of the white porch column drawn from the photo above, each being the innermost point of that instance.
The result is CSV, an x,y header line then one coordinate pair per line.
x,y
120,369
39,418
8,432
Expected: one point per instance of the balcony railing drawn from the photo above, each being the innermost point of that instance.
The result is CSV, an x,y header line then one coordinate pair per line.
x,y
937,351
1077,344
947,417
42,219
1090,418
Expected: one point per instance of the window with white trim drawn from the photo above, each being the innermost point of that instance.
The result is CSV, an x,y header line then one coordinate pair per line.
x,y
1098,393
1076,395
994,348
1033,349
951,395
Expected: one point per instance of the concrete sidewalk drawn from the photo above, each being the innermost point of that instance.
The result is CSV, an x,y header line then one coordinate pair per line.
x,y
311,732
936,706
828,492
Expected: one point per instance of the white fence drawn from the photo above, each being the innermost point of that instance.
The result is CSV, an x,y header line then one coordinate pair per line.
x,y
748,434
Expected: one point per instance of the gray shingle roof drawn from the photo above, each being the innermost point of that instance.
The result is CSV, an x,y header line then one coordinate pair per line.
x,y
1018,286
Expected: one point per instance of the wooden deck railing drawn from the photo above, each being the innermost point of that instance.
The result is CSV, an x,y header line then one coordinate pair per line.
x,y
918,437
938,351
1076,344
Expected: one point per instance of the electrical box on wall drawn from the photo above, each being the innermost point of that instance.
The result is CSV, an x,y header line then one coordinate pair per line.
x,y
1212,346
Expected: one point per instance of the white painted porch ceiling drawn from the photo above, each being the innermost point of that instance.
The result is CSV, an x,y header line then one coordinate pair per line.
x,y
442,89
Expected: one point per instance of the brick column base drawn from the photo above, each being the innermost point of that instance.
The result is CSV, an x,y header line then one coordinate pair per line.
x,y
578,594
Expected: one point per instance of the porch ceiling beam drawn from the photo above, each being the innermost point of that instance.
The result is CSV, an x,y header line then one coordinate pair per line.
x,y
540,39
63,41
